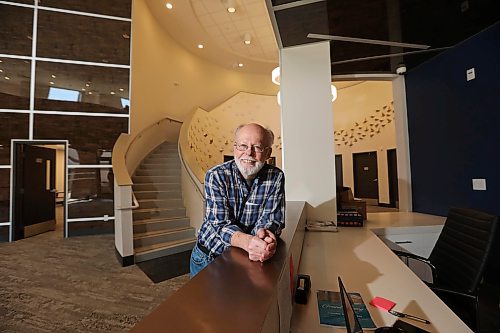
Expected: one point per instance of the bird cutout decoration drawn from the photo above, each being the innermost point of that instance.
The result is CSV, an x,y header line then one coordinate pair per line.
x,y
356,124
365,121
205,134
383,125
350,145
385,107
377,110
227,142
372,116
211,141
389,120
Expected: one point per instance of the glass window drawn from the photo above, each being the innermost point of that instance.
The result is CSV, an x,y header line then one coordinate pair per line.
x,y
101,89
16,29
28,2
12,126
14,83
120,8
84,38
90,192
91,139
4,195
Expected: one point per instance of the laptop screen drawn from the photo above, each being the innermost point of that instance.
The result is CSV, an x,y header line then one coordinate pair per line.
x,y
351,321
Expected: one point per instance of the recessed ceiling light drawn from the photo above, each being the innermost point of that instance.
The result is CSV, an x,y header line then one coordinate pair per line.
x,y
87,84
83,89
1,60
169,5
1,70
90,92
112,92
7,78
121,89
200,46
240,65
51,82
53,76
230,6
247,39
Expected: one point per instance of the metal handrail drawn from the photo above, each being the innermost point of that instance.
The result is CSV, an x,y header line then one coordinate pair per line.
x,y
135,204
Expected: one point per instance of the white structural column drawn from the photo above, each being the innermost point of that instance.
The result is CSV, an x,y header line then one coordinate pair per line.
x,y
402,144
307,129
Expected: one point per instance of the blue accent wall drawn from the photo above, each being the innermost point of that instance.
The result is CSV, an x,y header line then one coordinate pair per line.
x,y
454,128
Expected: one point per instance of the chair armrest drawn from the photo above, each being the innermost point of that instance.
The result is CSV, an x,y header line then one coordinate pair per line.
x,y
409,255
453,292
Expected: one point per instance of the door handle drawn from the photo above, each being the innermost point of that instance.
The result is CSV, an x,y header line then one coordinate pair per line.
x,y
375,180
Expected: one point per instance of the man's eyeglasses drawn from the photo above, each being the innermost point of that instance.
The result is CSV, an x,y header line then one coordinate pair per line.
x,y
244,147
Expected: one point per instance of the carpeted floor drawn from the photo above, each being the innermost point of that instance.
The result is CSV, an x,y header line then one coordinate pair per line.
x,y
52,284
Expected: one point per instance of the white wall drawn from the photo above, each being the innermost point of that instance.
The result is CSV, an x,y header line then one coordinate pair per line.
x,y
361,108
307,126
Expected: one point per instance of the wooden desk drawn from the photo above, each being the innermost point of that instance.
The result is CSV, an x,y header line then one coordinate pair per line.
x,y
369,267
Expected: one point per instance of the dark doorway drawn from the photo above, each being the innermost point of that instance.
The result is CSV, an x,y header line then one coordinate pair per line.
x,y
34,190
392,168
339,175
365,175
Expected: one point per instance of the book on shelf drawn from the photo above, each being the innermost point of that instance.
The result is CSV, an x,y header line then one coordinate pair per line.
x,y
332,314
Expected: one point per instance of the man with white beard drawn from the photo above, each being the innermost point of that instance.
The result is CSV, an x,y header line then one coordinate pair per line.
x,y
245,201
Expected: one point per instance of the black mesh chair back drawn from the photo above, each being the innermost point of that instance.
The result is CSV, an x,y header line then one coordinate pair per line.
x,y
462,249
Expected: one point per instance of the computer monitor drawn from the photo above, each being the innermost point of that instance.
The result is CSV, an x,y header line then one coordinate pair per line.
x,y
351,320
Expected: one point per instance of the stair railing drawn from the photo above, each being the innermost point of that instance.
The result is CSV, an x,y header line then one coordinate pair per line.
x,y
128,152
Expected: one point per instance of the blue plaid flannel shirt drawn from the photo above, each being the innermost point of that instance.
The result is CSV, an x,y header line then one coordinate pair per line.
x,y
232,206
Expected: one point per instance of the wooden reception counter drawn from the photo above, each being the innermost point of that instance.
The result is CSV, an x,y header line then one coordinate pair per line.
x,y
235,295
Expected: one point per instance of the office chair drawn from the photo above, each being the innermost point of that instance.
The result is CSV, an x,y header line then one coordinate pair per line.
x,y
459,258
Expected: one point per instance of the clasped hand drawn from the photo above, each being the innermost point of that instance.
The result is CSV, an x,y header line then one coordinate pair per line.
x,y
262,246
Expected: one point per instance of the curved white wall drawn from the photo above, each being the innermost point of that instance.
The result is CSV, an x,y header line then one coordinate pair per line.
x,y
169,81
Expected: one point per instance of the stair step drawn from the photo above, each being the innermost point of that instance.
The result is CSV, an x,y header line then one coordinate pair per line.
x,y
160,250
170,160
160,203
159,224
157,187
156,179
147,213
164,236
164,155
141,195
149,166
158,172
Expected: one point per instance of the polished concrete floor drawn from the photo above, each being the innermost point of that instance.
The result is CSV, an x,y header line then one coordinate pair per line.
x,y
52,284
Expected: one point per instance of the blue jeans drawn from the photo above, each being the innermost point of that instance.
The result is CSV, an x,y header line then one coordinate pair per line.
x,y
199,260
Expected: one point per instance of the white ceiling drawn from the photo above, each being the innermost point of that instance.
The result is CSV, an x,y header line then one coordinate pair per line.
x,y
207,22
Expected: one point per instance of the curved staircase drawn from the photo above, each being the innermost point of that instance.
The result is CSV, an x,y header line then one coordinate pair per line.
x,y
160,225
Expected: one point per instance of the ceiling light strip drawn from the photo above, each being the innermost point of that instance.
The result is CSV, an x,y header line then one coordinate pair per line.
x,y
295,4
4,224
5,166
389,55
366,41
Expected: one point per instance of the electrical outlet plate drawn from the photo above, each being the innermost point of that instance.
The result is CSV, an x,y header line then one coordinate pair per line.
x,y
479,184
471,74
